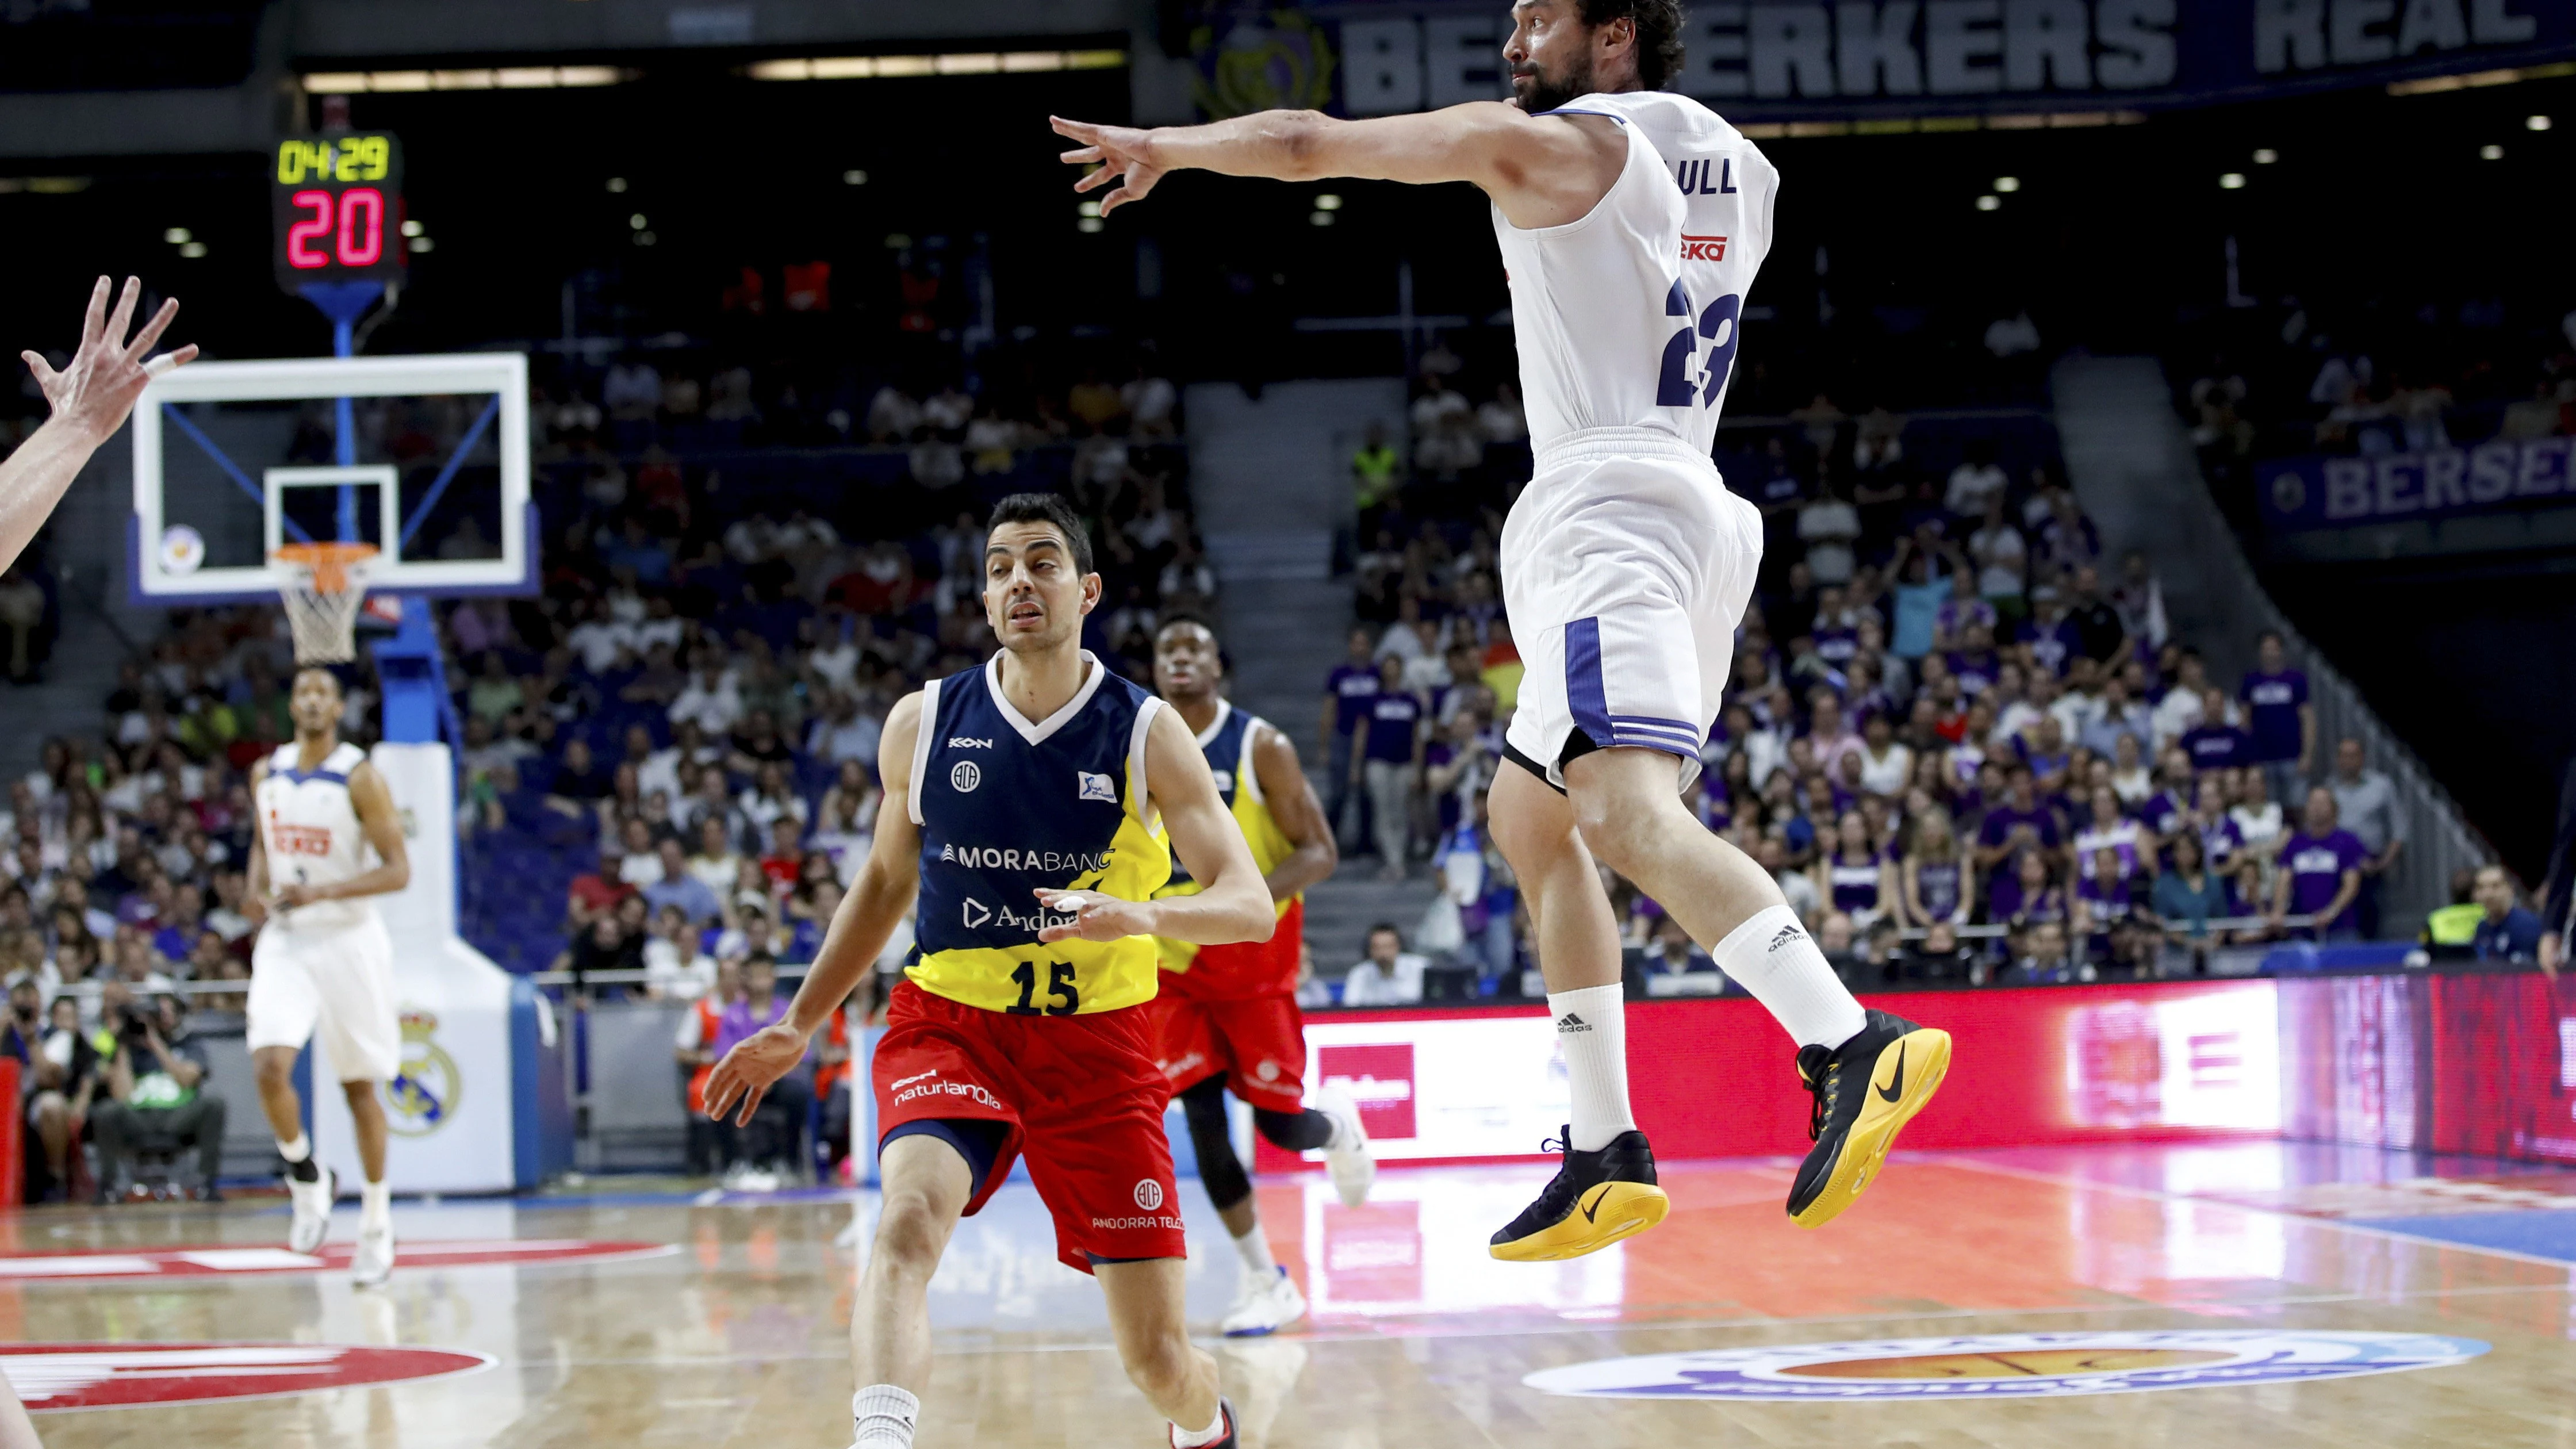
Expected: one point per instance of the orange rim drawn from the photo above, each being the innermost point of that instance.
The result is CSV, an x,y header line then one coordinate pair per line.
x,y
329,563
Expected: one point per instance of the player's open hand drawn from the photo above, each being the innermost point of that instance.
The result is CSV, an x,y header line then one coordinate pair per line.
x,y
98,389
1096,917
1117,152
748,1072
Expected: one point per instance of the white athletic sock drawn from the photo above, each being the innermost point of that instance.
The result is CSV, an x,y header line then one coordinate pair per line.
x,y
375,1205
297,1150
1592,1030
885,1416
1775,959
1184,1439
1257,1261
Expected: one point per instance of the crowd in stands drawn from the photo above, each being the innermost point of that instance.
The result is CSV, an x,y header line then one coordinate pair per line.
x,y
667,760
1964,742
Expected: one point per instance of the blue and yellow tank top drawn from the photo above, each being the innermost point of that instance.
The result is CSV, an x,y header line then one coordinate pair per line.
x,y
1007,805
1227,743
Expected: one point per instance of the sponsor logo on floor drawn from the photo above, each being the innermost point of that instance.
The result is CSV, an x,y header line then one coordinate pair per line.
x,y
218,1260
2006,1365
58,1376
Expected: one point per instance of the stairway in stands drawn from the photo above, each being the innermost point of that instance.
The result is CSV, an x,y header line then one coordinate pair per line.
x,y
1269,478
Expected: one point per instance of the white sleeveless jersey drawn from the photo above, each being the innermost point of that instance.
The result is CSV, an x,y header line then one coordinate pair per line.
x,y
312,835
1628,317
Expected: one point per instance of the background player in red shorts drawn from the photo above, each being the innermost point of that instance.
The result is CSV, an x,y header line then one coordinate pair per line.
x,y
1229,1013
1026,807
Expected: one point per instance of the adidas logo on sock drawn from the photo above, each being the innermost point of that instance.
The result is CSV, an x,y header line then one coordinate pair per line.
x,y
1572,1022
1787,935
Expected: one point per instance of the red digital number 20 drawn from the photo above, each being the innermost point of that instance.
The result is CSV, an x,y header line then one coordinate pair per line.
x,y
357,241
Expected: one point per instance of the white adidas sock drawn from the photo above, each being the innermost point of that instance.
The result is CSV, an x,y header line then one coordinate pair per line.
x,y
1775,959
1185,1439
1592,1031
1255,1251
885,1416
375,1206
297,1150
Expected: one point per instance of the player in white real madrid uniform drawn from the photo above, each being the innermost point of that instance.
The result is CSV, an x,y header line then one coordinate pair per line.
x,y
1631,222
324,965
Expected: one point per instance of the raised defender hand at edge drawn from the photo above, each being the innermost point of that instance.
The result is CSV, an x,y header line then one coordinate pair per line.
x,y
90,399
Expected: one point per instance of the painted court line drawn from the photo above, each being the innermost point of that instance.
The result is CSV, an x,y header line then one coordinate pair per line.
x,y
2155,1195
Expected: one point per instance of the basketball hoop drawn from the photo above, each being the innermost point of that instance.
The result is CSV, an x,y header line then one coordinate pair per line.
x,y
325,584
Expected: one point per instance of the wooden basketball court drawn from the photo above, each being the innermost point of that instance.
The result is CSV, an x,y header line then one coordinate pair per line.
x,y
2271,1293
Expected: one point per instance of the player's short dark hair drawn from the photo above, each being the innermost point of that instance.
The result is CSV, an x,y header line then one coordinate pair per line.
x,y
1659,33
1046,508
759,958
338,685
1177,617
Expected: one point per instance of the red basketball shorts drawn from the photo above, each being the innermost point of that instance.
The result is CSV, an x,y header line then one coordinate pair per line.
x,y
1079,1096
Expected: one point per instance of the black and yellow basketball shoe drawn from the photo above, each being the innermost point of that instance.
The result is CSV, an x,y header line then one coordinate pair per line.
x,y
1594,1200
1866,1090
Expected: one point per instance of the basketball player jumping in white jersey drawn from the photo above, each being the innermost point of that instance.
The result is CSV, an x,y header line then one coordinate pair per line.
x,y
1631,222
324,963
86,403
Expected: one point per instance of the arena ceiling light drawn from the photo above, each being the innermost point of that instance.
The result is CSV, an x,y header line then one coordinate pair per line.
x,y
2535,123
502,78
2232,181
1989,202
176,236
981,62
2265,156
2490,152
2007,184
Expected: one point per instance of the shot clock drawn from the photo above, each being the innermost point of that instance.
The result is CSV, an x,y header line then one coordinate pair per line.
x,y
337,201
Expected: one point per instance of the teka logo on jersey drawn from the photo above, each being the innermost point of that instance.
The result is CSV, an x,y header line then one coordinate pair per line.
x,y
56,1376
2007,1365
1700,249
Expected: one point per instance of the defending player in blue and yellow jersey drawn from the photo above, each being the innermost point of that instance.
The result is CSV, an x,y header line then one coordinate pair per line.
x,y
1028,806
1229,1013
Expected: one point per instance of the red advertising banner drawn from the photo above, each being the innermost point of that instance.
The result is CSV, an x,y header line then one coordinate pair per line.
x,y
2474,1063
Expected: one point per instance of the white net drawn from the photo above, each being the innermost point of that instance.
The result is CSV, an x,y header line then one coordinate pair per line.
x,y
325,587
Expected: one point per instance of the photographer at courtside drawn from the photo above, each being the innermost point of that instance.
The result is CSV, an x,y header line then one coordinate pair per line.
x,y
157,1099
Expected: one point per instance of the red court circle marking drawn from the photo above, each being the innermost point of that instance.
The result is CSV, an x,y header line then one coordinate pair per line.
x,y
228,1260
55,1377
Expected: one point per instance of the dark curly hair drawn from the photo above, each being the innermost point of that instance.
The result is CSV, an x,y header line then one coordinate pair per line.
x,y
1659,33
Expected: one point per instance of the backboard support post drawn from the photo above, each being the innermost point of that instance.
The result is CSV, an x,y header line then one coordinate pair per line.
x,y
344,303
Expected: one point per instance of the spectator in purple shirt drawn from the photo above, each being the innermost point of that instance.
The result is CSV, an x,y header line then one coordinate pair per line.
x,y
2016,824
1348,692
2278,718
2320,873
2214,744
765,1150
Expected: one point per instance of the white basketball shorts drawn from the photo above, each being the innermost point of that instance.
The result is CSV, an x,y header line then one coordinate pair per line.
x,y
337,984
1627,566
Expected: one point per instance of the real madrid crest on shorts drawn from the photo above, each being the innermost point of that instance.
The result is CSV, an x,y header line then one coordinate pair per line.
x,y
420,1100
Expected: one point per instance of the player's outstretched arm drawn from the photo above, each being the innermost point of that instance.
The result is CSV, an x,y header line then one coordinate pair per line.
x,y
90,400
1233,906
1300,815
1540,171
869,913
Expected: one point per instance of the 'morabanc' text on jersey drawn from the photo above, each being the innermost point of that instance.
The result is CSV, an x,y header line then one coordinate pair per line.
x,y
1007,806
